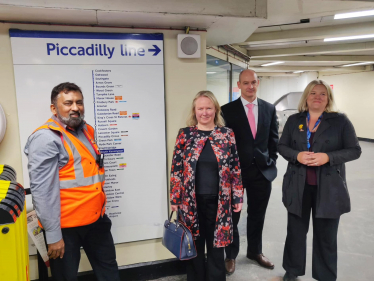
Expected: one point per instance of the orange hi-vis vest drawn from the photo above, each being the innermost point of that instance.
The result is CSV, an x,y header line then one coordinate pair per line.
x,y
81,180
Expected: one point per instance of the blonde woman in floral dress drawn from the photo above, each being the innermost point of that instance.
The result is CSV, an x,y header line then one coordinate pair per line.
x,y
206,185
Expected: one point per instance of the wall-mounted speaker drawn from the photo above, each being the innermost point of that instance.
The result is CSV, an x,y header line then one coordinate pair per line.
x,y
189,46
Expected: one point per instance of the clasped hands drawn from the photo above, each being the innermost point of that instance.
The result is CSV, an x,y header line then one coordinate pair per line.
x,y
312,159
237,207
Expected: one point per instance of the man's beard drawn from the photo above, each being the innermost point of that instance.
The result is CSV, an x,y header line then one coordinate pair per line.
x,y
72,122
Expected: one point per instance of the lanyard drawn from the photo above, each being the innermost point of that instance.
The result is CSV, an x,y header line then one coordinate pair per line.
x,y
92,142
99,156
308,132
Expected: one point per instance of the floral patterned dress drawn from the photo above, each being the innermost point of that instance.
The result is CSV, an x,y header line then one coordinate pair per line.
x,y
187,150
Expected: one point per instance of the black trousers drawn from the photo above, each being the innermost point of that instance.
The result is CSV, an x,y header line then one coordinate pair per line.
x,y
214,268
97,242
325,231
258,190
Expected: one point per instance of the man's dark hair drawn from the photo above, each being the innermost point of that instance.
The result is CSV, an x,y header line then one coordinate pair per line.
x,y
65,88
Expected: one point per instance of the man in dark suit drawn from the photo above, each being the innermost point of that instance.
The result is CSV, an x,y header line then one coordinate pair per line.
x,y
254,123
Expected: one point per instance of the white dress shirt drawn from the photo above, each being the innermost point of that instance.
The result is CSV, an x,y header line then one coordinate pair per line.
x,y
254,109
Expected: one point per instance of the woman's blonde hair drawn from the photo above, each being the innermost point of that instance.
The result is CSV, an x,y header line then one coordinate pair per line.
x,y
218,120
303,106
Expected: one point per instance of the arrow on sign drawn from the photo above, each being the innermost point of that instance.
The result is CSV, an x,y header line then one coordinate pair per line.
x,y
157,50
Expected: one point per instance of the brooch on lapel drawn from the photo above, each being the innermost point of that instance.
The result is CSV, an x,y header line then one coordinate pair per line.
x,y
301,128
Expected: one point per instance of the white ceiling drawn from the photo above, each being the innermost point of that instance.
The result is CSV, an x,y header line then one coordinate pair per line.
x,y
238,22
233,8
225,21
289,11
300,45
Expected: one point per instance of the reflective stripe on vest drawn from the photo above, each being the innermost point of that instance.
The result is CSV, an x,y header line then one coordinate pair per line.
x,y
81,181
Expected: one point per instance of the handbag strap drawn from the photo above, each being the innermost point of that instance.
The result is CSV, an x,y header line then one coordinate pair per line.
x,y
171,215
179,215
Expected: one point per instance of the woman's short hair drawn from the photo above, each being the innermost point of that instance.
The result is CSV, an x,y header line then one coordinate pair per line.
x,y
330,107
218,119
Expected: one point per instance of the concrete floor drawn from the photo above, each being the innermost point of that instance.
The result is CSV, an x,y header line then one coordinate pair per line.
x,y
355,236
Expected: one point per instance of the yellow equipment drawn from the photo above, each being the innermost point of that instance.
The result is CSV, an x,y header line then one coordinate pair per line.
x,y
14,251
7,173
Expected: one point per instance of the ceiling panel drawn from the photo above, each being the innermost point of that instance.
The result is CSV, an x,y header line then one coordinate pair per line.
x,y
361,53
307,43
42,15
291,11
115,18
232,8
314,22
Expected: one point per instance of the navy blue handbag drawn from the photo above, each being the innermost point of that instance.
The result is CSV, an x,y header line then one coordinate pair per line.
x,y
178,238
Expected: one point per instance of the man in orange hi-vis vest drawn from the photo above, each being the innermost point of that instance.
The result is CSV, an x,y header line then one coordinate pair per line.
x,y
66,180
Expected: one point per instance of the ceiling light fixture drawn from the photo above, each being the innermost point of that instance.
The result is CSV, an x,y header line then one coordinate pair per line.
x,y
359,63
275,44
210,72
272,63
354,15
366,36
299,71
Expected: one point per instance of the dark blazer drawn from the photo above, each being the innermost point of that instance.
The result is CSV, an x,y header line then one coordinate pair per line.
x,y
262,150
336,137
187,150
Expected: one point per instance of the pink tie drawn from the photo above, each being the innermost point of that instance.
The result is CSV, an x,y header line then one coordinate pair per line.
x,y
251,119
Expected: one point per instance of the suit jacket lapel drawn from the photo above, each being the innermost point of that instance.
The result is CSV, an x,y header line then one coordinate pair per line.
x,y
301,132
321,128
240,109
261,116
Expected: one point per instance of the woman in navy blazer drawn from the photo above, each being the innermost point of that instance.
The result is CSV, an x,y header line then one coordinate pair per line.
x,y
316,142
